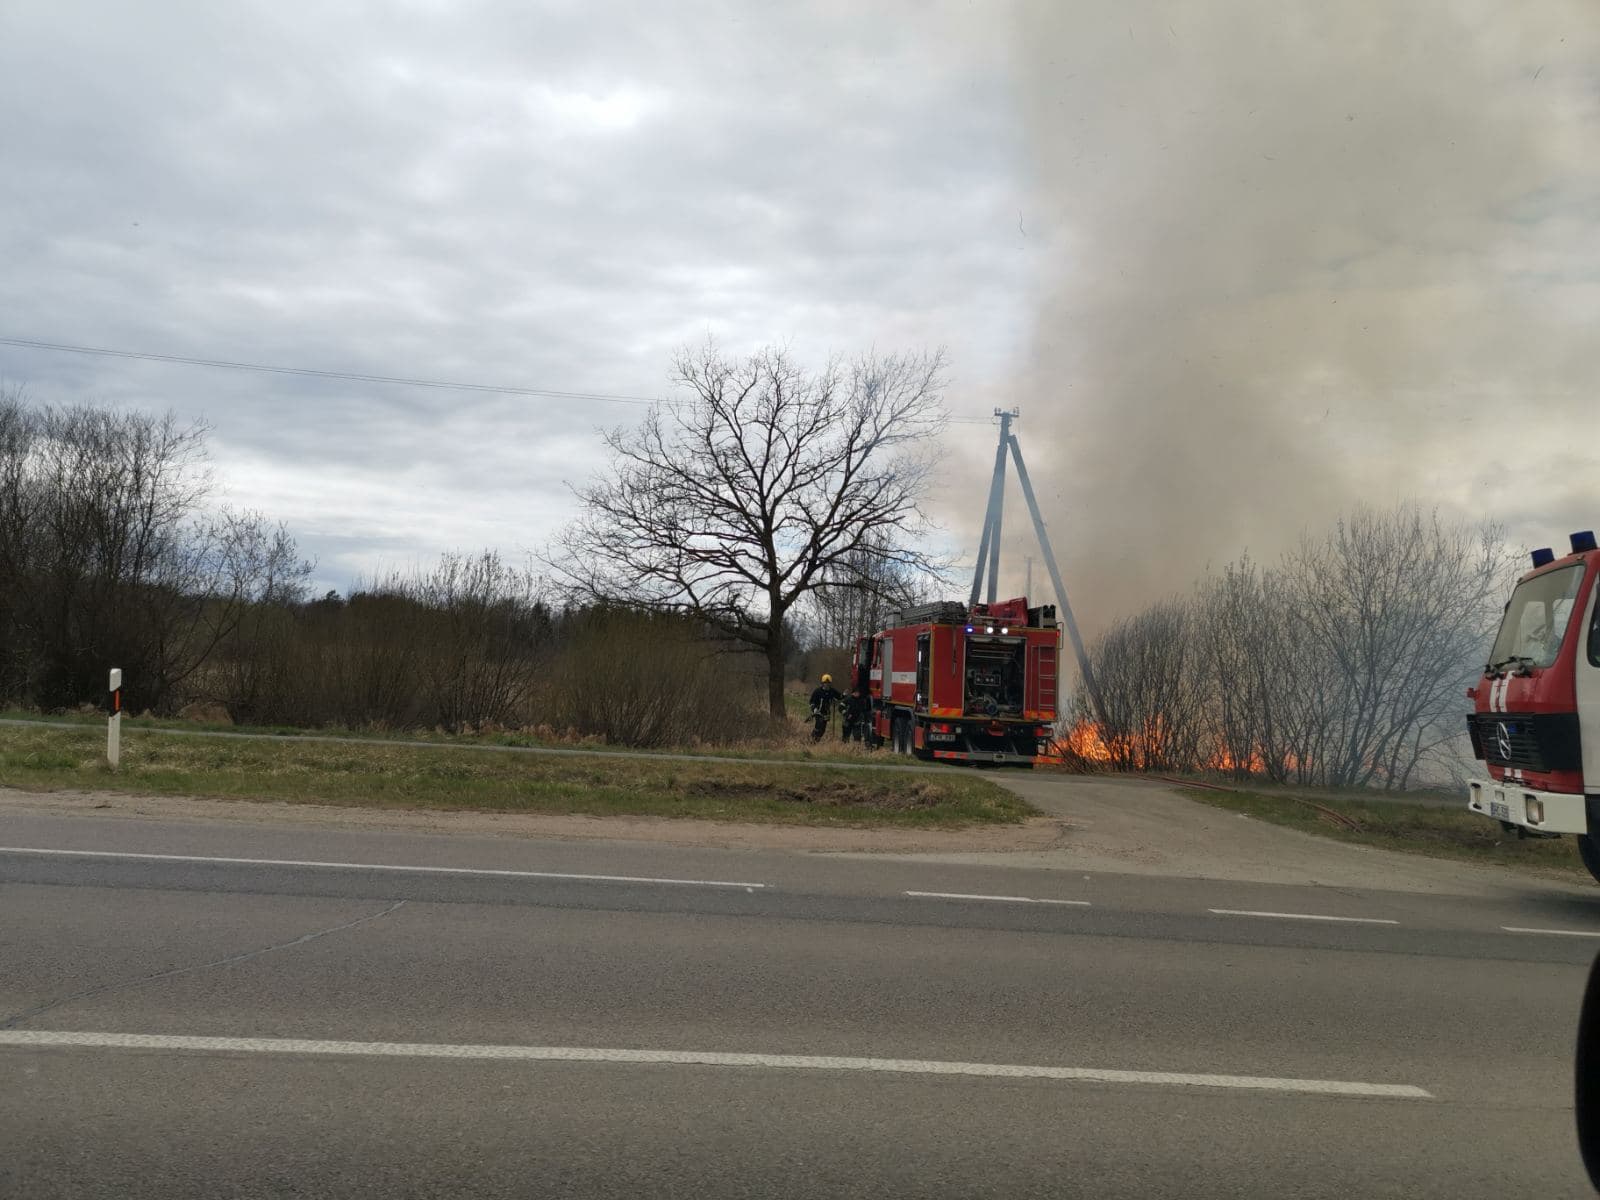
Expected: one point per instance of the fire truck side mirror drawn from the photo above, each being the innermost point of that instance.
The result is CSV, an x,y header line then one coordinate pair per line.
x,y
1586,1091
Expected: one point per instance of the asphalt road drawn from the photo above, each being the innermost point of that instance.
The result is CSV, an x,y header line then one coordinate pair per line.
x,y
536,1018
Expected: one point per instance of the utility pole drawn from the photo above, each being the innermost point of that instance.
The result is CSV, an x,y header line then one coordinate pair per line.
x,y
993,517
1085,671
989,550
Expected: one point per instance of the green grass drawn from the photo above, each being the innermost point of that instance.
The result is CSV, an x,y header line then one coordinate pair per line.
x,y
1451,833
405,777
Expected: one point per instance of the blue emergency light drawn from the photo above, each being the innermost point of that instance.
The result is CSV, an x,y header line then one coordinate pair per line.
x,y
1543,557
1583,541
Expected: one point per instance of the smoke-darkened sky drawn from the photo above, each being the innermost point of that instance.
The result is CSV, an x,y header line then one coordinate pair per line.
x,y
1240,264
1306,255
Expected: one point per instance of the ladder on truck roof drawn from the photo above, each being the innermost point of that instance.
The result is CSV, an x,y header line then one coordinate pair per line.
x,y
948,612
989,549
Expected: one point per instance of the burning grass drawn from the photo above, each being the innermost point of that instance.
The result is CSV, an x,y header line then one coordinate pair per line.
x,y
1153,747
371,775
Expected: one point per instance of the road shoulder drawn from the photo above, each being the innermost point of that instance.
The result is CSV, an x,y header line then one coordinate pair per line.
x,y
1034,834
1090,824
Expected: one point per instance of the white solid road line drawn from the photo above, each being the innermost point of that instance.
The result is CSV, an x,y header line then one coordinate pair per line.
x,y
705,1058
1002,899
350,866
1556,932
1245,912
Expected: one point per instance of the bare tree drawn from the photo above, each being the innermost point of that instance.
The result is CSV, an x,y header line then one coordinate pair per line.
x,y
1400,603
1343,666
858,596
106,556
1145,668
1231,622
765,483
491,635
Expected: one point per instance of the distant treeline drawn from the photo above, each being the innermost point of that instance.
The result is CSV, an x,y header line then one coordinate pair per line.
x,y
111,555
1343,665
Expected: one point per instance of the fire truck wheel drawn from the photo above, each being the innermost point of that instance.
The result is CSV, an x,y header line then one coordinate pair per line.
x,y
1589,851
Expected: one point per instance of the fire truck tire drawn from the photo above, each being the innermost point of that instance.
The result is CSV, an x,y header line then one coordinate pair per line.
x,y
1589,851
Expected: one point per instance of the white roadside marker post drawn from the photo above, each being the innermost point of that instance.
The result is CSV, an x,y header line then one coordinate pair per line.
x,y
114,722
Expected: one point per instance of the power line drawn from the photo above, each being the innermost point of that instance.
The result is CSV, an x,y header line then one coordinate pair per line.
x,y
358,377
401,380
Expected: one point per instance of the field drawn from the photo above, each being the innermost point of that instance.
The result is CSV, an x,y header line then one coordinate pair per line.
x,y
356,772
793,745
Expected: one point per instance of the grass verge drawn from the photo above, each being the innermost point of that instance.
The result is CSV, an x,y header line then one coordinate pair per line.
x,y
406,777
1451,833
796,746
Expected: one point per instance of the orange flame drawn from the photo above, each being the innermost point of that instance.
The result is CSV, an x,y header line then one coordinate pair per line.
x,y
1085,741
1089,744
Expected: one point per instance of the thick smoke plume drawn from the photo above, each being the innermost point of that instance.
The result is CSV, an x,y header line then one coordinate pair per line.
x,y
1303,255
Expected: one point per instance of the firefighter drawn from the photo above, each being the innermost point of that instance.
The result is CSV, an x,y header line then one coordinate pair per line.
x,y
823,698
854,715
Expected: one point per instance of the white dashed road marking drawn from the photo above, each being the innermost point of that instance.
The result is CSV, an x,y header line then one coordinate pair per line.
x,y
1001,899
1245,912
693,1058
1555,932
351,866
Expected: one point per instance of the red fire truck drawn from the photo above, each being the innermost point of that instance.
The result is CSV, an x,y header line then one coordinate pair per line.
x,y
962,683
1536,718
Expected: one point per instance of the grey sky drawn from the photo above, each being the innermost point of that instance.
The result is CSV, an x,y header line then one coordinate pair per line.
x,y
1073,200
550,195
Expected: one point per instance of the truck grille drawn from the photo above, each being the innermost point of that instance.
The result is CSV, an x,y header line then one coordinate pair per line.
x,y
1530,741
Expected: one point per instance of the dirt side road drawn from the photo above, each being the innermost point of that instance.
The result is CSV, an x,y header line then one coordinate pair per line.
x,y
1142,827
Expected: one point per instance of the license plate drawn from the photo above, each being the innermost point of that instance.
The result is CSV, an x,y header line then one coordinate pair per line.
x,y
1500,810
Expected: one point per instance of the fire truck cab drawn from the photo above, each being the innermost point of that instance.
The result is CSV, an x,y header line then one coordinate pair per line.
x,y
1536,718
962,684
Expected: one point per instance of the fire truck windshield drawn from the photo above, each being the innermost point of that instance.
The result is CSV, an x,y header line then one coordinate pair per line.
x,y
1536,619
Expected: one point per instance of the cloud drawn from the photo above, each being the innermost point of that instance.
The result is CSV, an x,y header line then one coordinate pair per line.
x,y
555,195
1241,264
